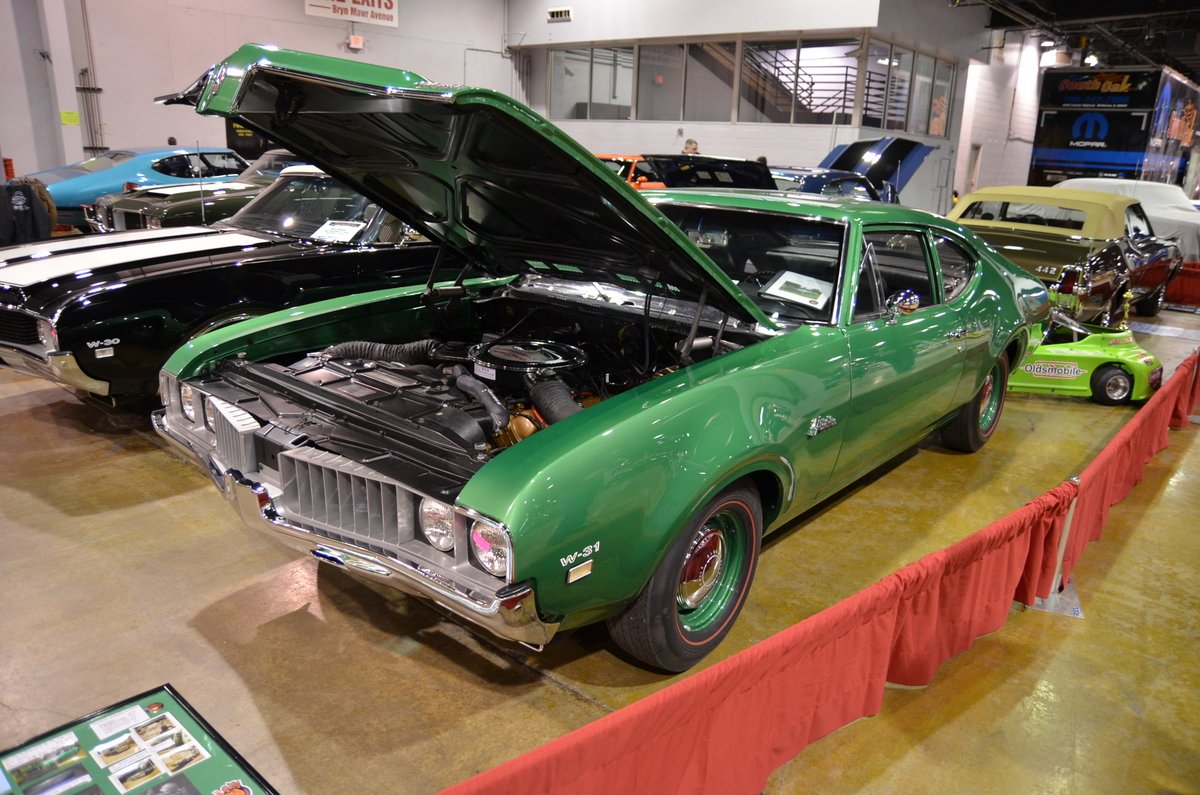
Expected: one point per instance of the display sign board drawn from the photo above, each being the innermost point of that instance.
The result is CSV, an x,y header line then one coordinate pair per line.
x,y
154,744
371,12
1133,123
246,142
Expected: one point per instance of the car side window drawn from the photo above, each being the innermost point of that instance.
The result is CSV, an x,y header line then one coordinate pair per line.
x,y
868,301
175,166
1136,222
902,263
957,267
220,164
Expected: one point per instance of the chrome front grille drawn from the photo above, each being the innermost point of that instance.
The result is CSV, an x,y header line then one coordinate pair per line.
x,y
344,500
128,220
234,429
18,328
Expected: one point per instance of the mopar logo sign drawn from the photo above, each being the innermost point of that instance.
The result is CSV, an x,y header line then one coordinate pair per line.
x,y
1065,370
1090,129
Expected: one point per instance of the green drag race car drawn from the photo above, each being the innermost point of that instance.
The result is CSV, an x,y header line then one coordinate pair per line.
x,y
1104,364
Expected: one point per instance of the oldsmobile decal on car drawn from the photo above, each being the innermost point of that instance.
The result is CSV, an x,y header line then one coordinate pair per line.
x,y
1053,369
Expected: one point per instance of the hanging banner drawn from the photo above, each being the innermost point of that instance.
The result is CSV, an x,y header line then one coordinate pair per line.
x,y
371,12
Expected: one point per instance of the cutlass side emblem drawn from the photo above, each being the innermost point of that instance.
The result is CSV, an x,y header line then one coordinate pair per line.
x,y
819,424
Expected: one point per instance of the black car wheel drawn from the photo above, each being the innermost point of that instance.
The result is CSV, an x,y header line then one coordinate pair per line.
x,y
1111,385
1152,304
698,590
975,422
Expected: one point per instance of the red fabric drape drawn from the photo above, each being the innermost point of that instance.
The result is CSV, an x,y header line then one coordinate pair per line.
x,y
727,727
1185,287
963,592
1118,468
1187,396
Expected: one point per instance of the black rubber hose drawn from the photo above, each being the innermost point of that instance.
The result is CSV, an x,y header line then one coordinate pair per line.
x,y
554,400
417,352
472,386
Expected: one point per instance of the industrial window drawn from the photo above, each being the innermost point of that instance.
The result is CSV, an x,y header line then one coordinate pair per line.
x,y
781,81
708,82
591,83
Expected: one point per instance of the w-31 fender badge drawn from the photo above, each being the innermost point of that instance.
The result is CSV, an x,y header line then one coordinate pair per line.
x,y
819,424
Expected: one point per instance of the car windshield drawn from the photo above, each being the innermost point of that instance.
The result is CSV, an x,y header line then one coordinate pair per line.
x,y
310,207
270,164
1021,212
90,166
789,266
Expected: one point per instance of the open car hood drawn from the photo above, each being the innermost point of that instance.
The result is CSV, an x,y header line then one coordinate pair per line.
x,y
467,166
880,160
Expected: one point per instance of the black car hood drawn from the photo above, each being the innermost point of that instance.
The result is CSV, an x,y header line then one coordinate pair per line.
x,y
35,273
469,167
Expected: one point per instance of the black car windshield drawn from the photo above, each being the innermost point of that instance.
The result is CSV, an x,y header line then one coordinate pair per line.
x,y
309,207
789,266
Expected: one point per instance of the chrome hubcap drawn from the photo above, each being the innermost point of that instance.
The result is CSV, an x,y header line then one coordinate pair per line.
x,y
701,568
1117,387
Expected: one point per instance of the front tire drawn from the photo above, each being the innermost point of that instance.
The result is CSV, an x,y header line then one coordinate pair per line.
x,y
1111,386
975,422
694,596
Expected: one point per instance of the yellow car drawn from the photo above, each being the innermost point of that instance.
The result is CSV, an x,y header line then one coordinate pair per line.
x,y
1090,248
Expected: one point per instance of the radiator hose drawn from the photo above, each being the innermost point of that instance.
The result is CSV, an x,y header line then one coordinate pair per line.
x,y
553,400
417,352
470,385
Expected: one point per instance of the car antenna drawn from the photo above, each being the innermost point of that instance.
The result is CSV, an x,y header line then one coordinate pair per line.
x,y
200,160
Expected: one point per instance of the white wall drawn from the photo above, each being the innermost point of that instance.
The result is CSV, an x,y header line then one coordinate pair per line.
x,y
1002,116
24,90
624,20
144,48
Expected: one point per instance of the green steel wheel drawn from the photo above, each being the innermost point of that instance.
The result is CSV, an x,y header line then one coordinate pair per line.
x,y
975,422
698,590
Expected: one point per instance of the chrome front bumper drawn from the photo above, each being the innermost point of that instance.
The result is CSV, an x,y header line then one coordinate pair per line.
x,y
58,366
511,613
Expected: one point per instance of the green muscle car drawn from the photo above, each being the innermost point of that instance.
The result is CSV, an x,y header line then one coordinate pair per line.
x,y
600,399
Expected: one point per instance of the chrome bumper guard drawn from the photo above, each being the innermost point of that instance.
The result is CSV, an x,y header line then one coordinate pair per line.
x,y
58,366
511,613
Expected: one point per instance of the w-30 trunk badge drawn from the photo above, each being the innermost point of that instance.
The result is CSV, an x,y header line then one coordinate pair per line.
x,y
819,424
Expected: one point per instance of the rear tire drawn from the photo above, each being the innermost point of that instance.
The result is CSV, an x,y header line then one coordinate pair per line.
x,y
1152,304
694,596
975,422
1111,386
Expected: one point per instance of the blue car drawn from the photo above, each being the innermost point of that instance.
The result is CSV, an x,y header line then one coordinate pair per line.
x,y
828,182
82,183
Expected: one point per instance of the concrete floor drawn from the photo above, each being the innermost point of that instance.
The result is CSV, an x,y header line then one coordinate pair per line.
x,y
123,569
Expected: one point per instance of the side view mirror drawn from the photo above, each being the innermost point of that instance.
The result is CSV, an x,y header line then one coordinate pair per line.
x,y
904,302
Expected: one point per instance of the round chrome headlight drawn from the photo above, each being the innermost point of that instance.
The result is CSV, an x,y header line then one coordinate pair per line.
x,y
492,547
187,396
437,523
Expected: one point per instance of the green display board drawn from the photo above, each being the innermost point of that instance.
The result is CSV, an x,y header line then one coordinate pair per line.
x,y
151,744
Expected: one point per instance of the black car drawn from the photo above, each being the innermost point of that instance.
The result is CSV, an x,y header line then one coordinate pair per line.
x,y
102,313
